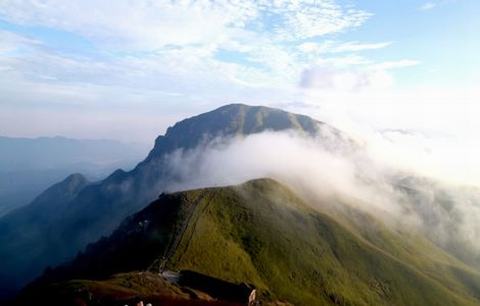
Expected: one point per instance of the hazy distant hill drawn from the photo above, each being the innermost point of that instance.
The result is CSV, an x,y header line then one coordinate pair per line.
x,y
99,208
259,233
30,165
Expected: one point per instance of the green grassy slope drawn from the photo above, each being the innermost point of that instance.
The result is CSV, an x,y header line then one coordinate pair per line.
x,y
262,233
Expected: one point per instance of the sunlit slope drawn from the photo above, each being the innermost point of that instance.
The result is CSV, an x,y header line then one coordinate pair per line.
x,y
262,233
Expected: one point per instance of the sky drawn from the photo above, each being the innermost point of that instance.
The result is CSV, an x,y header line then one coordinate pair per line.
x,y
128,69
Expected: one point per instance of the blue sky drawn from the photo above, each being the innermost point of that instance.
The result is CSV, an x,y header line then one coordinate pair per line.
x,y
97,69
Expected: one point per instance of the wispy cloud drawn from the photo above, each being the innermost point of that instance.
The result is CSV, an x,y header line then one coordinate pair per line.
x,y
177,43
146,24
330,46
195,53
355,46
427,6
188,35
395,64
13,43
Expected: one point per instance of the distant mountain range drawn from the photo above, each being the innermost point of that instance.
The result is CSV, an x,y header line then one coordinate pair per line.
x,y
115,235
30,165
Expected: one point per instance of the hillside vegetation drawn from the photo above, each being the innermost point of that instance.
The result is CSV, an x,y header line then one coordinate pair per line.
x,y
261,233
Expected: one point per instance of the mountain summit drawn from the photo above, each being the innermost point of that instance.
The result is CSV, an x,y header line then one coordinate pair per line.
x,y
230,120
237,120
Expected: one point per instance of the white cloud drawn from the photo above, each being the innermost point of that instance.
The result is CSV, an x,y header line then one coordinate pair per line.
x,y
357,46
12,46
395,64
148,24
185,36
340,80
330,46
441,124
427,6
153,53
306,19
138,24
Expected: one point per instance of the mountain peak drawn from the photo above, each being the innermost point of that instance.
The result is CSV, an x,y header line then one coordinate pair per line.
x,y
231,120
75,178
64,190
244,119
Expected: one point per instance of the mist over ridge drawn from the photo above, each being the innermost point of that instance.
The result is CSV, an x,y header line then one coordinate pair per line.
x,y
327,171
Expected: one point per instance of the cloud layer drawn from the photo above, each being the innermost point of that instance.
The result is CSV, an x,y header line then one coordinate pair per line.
x,y
399,196
92,56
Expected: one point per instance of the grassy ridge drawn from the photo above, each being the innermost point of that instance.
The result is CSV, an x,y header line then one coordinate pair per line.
x,y
263,234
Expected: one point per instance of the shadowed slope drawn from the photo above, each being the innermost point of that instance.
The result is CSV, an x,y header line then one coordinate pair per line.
x,y
27,224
